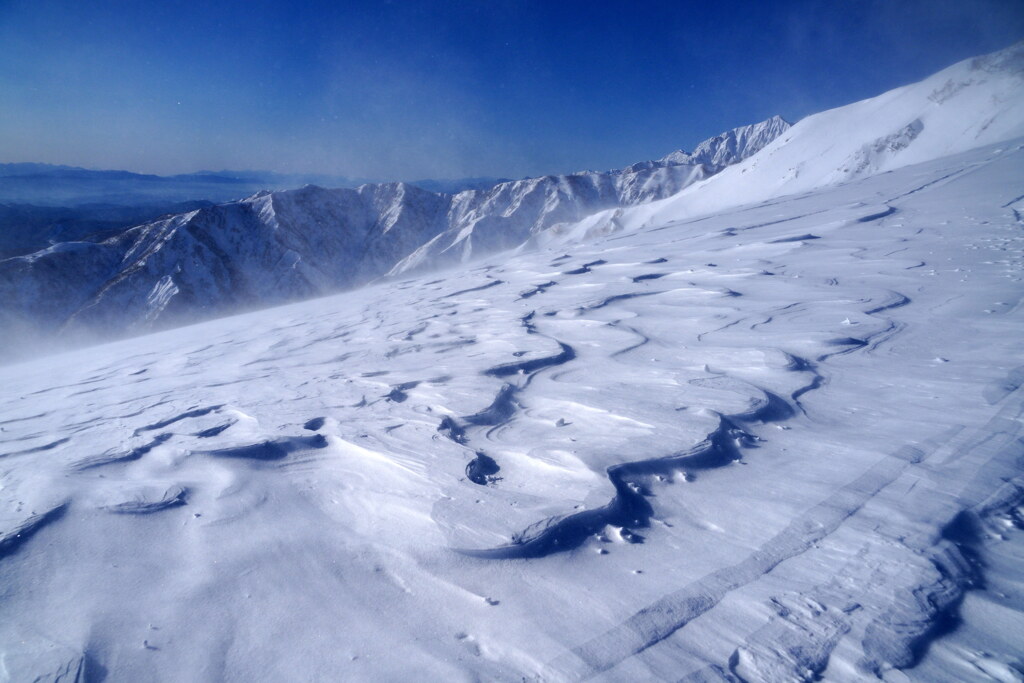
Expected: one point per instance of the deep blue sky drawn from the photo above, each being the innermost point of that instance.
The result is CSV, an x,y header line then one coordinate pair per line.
x,y
410,89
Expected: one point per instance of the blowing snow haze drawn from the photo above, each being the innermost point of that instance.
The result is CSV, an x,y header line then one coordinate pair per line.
x,y
426,400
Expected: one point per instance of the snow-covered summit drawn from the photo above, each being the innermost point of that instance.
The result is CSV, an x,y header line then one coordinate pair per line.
x,y
731,146
971,104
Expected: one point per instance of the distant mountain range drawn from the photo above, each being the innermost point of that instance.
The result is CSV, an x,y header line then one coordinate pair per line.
x,y
25,228
280,246
274,247
70,186
43,204
66,186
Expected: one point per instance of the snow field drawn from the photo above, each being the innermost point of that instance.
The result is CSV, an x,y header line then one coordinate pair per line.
x,y
736,445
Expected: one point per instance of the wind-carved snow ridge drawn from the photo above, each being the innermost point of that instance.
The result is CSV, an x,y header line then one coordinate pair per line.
x,y
715,426
482,469
12,539
629,509
633,481
927,589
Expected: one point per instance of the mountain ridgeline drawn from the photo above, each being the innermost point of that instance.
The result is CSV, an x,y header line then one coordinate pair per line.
x,y
275,247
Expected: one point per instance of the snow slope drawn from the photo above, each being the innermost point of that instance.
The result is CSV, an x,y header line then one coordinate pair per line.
x,y
774,443
511,213
976,102
283,246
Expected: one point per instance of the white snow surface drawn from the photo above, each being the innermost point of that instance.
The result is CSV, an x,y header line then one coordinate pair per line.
x,y
976,102
778,442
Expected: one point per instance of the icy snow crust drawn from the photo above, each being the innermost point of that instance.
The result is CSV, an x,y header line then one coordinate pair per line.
x,y
774,443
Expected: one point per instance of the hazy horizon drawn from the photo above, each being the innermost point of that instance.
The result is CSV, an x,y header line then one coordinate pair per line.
x,y
395,92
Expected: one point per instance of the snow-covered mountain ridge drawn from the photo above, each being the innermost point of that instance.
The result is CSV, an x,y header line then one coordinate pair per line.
x,y
282,246
731,146
970,104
